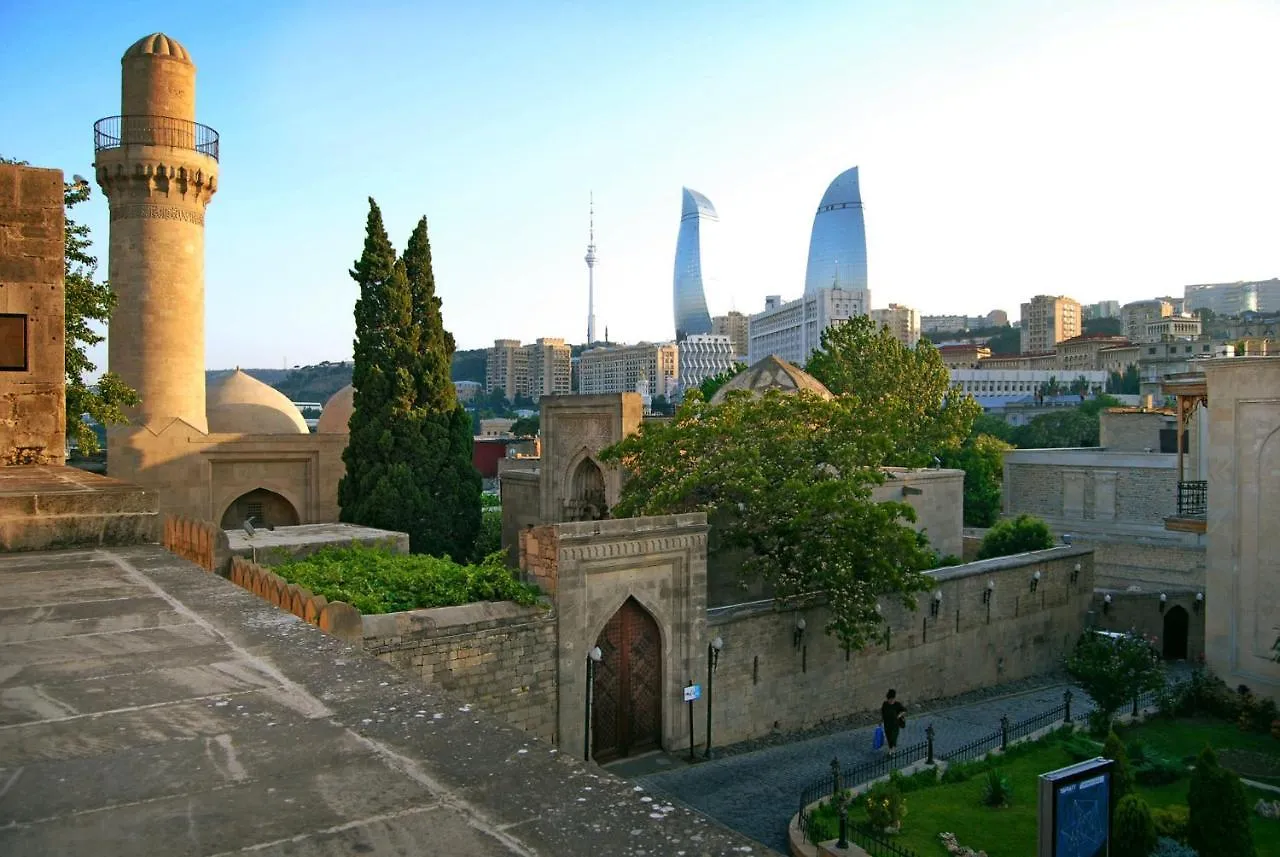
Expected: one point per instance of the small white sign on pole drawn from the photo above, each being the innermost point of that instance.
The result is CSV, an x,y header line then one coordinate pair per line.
x,y
692,692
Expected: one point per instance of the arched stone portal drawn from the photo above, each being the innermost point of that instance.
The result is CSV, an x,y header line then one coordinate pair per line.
x,y
587,496
267,508
627,712
1177,626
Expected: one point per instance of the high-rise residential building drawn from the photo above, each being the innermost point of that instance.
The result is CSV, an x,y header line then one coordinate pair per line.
x,y
1234,298
1047,320
697,216
793,330
507,369
542,368
838,242
733,325
618,368
1102,309
702,356
903,322
549,370
1136,316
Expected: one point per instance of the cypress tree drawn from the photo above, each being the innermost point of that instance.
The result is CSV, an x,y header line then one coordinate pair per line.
x,y
453,524
1218,825
409,454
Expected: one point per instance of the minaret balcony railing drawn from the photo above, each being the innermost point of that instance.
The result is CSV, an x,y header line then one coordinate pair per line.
x,y
113,132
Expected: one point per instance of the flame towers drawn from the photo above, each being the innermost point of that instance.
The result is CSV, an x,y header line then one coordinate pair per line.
x,y
838,243
696,213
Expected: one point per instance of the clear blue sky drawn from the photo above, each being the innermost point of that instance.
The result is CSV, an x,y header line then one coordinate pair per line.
x,y
1097,149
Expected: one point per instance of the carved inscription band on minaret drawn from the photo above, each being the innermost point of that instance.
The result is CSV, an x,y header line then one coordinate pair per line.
x,y
157,212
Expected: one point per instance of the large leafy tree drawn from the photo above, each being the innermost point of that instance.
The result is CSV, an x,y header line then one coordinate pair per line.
x,y
408,460
982,460
786,481
89,303
903,395
1114,670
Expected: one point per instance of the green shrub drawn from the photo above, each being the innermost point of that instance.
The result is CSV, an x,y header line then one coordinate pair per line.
x,y
885,805
1016,535
1121,776
1218,825
1133,834
997,791
1166,847
376,581
1138,751
1158,772
1171,821
962,771
921,779
489,539
1080,747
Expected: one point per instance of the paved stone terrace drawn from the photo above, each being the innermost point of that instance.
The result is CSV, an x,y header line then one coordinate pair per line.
x,y
756,793
148,707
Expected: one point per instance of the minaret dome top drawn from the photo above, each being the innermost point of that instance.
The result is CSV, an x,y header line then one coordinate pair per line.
x,y
157,44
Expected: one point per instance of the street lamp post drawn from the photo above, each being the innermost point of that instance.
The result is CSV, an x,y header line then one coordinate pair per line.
x,y
713,656
593,657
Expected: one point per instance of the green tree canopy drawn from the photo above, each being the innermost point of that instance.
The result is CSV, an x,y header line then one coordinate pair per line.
x,y
901,395
710,386
89,303
982,460
526,426
1114,670
1218,825
408,460
787,479
1109,326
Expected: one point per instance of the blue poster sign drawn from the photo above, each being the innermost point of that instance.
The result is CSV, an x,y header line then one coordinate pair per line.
x,y
1075,813
1082,812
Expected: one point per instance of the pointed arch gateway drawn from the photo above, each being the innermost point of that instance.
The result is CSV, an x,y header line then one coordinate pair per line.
x,y
267,508
586,490
1177,627
626,717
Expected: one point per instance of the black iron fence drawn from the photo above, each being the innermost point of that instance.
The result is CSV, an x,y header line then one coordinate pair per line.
x,y
977,748
113,132
1193,499
877,844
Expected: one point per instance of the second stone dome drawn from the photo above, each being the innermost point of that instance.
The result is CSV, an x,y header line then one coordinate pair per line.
x,y
336,416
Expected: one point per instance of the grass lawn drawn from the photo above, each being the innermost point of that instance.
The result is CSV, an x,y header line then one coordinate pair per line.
x,y
1012,831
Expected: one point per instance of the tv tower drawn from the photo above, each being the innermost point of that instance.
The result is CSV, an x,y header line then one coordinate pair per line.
x,y
591,266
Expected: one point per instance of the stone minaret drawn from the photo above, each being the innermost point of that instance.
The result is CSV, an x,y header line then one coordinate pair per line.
x,y
158,169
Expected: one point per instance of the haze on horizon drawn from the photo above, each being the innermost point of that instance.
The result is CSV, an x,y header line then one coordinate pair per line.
x,y
1104,150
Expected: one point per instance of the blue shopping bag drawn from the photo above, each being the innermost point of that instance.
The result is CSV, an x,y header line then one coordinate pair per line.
x,y
877,739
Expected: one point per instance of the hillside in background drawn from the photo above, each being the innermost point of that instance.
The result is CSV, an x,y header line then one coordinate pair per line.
x,y
317,383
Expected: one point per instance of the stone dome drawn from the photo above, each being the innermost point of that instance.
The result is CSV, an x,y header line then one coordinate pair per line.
x,y
772,373
241,404
160,45
336,416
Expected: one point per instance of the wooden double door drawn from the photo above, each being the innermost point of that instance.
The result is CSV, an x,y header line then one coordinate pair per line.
x,y
626,715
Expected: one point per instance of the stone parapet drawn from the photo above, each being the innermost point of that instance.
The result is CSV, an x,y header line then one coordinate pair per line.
x,y
46,507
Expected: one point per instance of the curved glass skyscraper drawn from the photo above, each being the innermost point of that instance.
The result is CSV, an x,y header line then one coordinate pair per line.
x,y
696,212
838,243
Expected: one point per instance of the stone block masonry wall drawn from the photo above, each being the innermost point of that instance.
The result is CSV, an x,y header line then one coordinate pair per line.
x,y
765,681
501,657
32,327
1140,612
540,557
1092,489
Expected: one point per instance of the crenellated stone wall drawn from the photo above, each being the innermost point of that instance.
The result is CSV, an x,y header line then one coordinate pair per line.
x,y
765,680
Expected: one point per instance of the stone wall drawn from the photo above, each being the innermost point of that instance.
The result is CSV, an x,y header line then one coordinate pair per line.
x,y
1140,612
273,547
521,499
500,657
1092,488
1133,429
765,681
32,326
1242,583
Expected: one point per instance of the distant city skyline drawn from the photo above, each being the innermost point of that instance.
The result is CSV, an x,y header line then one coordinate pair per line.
x,y
1101,150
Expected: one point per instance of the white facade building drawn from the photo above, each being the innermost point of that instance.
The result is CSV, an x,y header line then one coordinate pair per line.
x,y
1012,383
1234,298
703,356
617,369
793,330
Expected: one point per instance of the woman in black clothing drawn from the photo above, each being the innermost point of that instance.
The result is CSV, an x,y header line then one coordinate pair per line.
x,y
893,716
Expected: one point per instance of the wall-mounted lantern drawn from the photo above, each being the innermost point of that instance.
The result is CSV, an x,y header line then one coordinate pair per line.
x,y
1035,580
986,594
797,636
936,605
1106,603
1198,602
713,660
1075,573
1164,600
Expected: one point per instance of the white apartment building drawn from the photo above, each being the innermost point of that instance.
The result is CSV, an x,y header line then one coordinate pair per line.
x,y
1012,383
793,330
903,322
618,368
1234,298
541,368
703,356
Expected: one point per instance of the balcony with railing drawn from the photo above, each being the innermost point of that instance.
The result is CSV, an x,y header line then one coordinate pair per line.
x,y
1193,494
114,132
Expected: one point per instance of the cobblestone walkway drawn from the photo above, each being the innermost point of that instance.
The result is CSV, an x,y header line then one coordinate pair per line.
x,y
756,793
